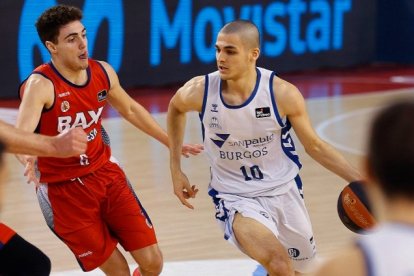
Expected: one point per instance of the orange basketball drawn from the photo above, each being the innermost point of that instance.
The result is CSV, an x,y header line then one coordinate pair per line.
x,y
354,208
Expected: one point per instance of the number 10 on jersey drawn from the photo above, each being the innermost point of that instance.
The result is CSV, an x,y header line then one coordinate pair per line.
x,y
251,173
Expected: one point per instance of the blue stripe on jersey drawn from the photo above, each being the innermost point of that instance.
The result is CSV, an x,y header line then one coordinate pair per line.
x,y
287,144
203,107
299,184
249,99
272,96
221,210
367,259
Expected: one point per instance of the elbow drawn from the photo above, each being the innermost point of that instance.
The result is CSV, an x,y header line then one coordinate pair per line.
x,y
314,148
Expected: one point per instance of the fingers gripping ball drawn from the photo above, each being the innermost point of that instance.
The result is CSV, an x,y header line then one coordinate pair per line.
x,y
354,209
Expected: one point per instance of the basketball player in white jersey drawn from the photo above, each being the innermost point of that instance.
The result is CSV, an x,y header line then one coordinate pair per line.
x,y
389,250
246,114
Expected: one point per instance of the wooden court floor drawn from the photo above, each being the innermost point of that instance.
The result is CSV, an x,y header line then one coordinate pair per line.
x,y
340,118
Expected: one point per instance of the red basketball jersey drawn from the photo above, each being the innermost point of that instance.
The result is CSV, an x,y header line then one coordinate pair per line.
x,y
75,106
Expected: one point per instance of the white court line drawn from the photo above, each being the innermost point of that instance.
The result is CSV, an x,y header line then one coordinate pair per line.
x,y
239,267
321,127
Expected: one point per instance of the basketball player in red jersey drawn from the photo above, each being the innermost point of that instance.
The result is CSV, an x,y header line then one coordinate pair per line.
x,y
87,200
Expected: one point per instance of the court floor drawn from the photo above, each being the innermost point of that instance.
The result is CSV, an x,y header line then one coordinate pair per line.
x,y
341,105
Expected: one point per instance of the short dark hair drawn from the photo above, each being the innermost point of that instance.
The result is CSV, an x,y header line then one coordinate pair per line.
x,y
391,149
51,20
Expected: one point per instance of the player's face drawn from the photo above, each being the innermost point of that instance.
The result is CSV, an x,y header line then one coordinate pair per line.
x,y
233,58
72,46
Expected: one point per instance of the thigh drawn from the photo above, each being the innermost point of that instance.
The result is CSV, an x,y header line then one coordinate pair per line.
x,y
227,206
125,215
294,227
72,210
256,240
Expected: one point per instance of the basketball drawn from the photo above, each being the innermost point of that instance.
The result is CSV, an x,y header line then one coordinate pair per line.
x,y
354,208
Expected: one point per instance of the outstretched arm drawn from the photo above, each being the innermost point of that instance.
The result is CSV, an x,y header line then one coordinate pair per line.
x,y
71,143
188,98
292,104
137,115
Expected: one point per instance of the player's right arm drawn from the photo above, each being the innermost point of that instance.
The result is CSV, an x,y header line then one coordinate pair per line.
x,y
38,93
71,143
188,98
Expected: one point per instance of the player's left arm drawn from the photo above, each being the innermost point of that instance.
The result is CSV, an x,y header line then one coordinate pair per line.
x,y
136,114
292,104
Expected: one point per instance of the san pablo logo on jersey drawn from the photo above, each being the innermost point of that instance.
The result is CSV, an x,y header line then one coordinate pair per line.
x,y
244,149
263,112
222,138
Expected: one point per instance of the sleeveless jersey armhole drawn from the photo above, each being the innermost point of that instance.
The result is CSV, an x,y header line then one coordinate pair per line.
x,y
106,74
274,105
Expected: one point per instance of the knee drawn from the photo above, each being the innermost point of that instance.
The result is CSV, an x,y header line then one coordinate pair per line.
x,y
279,267
152,263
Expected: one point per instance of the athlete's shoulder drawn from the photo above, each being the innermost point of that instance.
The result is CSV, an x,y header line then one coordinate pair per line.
x,y
190,95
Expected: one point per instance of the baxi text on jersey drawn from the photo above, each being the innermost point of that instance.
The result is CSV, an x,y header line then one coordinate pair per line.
x,y
240,155
253,142
82,119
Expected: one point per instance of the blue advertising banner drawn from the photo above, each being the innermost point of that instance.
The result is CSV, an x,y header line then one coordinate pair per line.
x,y
158,42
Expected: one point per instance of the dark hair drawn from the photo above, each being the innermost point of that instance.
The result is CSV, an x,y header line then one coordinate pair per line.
x,y
391,149
50,21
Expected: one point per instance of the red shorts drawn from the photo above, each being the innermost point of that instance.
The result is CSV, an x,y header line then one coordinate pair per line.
x,y
6,234
93,213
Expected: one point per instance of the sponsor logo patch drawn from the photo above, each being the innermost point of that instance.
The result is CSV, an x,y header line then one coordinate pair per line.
x,y
102,95
262,112
65,106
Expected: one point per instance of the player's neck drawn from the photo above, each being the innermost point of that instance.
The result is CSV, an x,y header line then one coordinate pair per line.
x,y
241,86
75,76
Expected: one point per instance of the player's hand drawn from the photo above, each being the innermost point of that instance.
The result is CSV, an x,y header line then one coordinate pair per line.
x,y
191,149
71,143
29,170
183,190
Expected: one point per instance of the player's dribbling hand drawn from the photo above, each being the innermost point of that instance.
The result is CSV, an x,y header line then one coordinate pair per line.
x,y
191,149
183,190
71,143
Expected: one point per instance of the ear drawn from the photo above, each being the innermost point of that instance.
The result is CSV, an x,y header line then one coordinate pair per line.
x,y
255,53
51,46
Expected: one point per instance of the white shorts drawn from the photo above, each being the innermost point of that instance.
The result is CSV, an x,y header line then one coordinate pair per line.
x,y
285,215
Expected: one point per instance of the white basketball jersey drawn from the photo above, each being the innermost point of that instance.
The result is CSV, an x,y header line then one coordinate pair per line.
x,y
249,147
389,251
